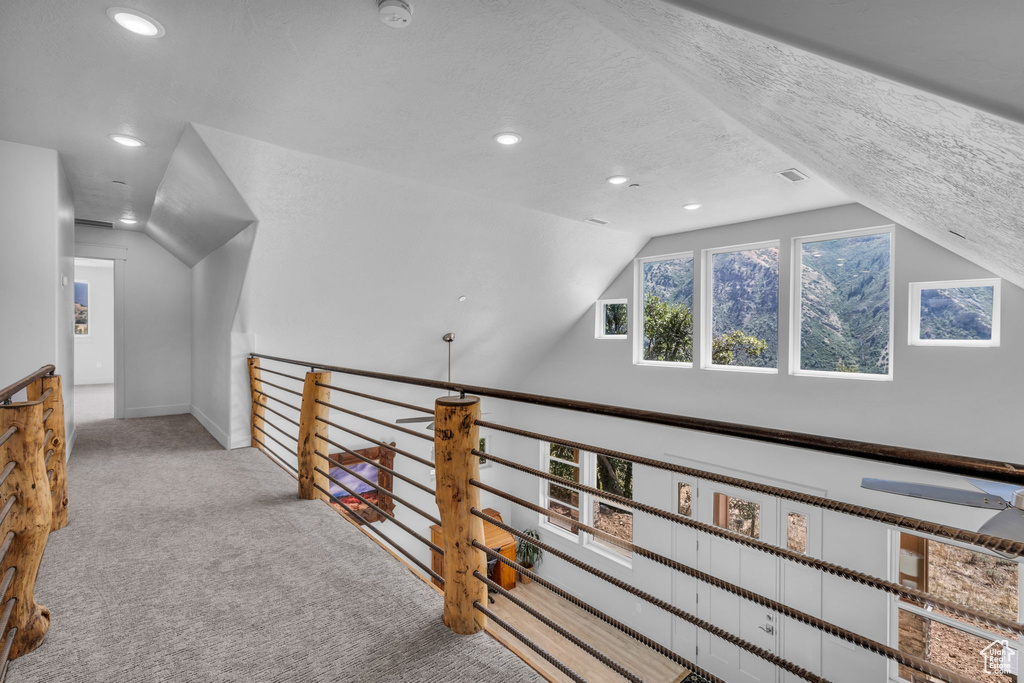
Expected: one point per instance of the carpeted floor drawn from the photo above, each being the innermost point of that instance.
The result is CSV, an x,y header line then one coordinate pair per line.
x,y
185,562
93,402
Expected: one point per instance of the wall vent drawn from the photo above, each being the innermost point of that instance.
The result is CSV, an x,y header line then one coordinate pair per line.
x,y
792,175
595,221
94,224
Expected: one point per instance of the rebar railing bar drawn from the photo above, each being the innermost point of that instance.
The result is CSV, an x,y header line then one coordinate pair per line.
x,y
529,643
422,487
381,399
551,624
5,618
411,456
9,391
276,459
6,545
890,587
5,653
47,414
409,556
381,489
46,461
5,584
281,429
272,438
1000,545
11,431
768,656
389,425
275,398
590,609
868,644
7,471
386,515
281,415
48,436
282,374
11,500
912,457
278,386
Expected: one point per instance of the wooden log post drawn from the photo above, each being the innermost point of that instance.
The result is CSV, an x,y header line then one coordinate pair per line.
x,y
29,520
309,428
455,436
57,461
259,401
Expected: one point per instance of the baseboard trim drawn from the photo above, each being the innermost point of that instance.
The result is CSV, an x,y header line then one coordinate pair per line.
x,y
157,411
211,426
71,443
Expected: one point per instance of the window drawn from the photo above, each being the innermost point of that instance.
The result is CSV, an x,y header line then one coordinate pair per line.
x,y
605,473
686,500
976,579
81,309
741,298
665,310
843,321
955,313
736,514
611,319
796,532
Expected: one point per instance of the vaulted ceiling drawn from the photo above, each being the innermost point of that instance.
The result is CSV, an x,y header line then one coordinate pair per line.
x,y
696,101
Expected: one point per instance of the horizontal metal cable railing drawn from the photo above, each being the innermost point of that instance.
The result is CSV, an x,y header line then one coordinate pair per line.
x,y
456,457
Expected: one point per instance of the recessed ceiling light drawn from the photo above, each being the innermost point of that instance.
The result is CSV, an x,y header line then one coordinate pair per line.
x,y
462,298
136,22
129,221
508,138
618,179
126,140
692,207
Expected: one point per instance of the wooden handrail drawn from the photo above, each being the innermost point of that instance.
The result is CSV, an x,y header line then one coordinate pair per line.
x,y
8,392
897,455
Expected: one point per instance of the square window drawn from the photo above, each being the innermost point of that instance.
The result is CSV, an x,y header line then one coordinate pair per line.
x,y
612,319
736,514
955,313
843,308
741,298
665,311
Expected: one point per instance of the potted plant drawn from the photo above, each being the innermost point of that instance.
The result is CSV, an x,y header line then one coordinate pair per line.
x,y
528,554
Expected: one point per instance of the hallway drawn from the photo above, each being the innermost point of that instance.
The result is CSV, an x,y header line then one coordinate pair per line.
x,y
185,562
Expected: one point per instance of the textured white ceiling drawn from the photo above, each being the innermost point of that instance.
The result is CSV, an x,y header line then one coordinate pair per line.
x,y
328,78
925,161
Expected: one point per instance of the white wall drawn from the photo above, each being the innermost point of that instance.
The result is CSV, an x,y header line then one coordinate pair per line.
x,y
158,323
958,400
216,285
94,353
36,224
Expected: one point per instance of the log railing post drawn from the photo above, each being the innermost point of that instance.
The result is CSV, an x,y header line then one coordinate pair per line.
x,y
259,401
28,523
56,460
455,436
309,428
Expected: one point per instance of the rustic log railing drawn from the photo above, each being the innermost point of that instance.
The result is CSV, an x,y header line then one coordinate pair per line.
x,y
34,500
456,460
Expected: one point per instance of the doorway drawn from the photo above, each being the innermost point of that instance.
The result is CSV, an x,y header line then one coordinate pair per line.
x,y
94,331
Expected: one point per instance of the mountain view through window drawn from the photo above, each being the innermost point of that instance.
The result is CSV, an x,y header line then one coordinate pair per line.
x,y
745,307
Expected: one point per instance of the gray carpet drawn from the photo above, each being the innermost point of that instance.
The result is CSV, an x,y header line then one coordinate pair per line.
x,y
185,562
93,402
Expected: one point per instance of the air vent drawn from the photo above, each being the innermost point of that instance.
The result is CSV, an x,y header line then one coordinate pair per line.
x,y
94,224
792,175
595,221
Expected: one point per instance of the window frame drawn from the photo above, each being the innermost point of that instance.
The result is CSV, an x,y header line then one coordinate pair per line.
x,y
895,604
588,477
796,303
599,319
707,307
914,328
637,318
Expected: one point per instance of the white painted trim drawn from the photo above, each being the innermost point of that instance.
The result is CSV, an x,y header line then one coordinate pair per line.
x,y
796,313
706,309
599,332
914,328
215,431
637,318
119,337
158,411
100,251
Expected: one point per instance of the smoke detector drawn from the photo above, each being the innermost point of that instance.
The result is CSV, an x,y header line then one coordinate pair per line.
x,y
395,13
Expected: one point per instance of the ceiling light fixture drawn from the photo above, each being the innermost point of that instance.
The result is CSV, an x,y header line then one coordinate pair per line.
x,y
508,138
618,179
136,22
692,207
462,298
126,140
129,221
